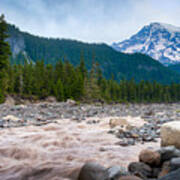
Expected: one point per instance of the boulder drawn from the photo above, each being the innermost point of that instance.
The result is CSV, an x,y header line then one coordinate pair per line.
x,y
174,175
150,157
126,142
170,134
175,164
9,101
129,178
126,122
92,171
121,122
51,99
115,172
71,102
140,168
165,169
11,118
169,152
156,171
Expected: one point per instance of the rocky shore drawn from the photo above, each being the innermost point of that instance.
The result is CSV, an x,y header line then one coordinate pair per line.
x,y
53,141
152,115
162,164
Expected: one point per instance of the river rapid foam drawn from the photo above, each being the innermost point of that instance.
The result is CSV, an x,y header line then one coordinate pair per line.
x,y
57,151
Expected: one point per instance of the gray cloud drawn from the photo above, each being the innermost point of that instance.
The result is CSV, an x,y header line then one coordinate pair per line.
x,y
89,20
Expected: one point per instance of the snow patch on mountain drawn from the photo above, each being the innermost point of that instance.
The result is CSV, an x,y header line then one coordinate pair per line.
x,y
170,28
158,40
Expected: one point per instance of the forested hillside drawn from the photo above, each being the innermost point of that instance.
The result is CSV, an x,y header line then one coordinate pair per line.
x,y
65,80
119,65
175,67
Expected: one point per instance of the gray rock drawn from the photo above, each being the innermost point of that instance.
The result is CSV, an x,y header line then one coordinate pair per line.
x,y
129,178
123,142
175,164
174,175
93,171
115,172
165,169
140,168
131,141
1,123
155,172
169,152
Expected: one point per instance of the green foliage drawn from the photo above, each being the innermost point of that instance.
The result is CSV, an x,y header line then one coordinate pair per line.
x,y
122,66
4,57
66,81
4,46
1,96
92,89
132,78
59,91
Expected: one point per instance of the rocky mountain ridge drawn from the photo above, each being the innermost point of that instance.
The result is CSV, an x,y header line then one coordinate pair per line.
x,y
158,40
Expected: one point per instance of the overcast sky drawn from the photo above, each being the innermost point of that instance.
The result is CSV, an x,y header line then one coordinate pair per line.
x,y
89,20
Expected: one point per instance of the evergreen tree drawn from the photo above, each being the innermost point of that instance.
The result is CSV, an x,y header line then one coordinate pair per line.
x,y
4,57
92,90
28,78
39,83
49,76
58,90
82,67
59,71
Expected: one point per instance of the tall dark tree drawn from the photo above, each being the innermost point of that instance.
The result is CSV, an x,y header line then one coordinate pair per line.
x,y
4,56
58,91
82,67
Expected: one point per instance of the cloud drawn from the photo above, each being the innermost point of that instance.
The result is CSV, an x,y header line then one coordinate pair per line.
x,y
89,20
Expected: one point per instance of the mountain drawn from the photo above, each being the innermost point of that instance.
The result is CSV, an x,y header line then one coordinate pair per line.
x,y
28,47
175,67
158,40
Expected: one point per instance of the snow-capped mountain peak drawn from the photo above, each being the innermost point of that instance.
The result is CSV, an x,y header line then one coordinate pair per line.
x,y
169,27
158,40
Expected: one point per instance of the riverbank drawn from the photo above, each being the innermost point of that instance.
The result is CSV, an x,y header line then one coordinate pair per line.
x,y
53,140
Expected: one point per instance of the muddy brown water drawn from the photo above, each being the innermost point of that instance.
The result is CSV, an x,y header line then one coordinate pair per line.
x,y
58,151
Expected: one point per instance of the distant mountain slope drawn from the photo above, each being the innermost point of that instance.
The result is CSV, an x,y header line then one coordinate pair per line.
x,y
120,65
158,40
175,67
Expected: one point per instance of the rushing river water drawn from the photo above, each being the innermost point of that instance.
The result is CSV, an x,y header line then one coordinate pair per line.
x,y
58,151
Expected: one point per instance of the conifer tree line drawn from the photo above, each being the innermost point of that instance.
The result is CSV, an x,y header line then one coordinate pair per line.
x,y
65,81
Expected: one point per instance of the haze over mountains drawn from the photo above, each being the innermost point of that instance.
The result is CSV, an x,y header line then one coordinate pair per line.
x,y
27,47
158,40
